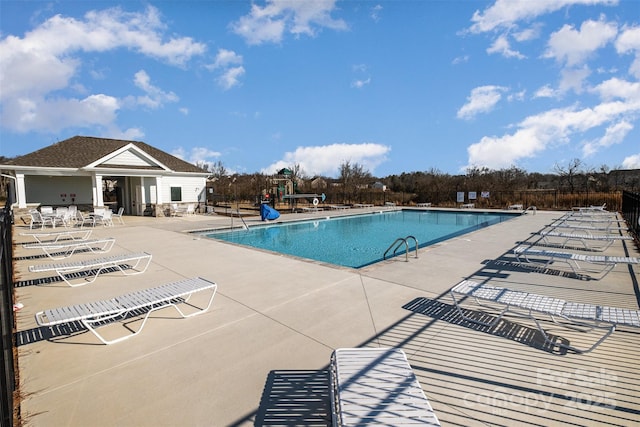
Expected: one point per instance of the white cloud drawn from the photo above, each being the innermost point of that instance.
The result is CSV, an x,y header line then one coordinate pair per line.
x,y
230,64
155,97
501,46
504,14
48,58
620,106
573,79
268,23
37,114
326,159
614,134
573,47
527,34
631,162
196,154
545,91
375,12
226,58
230,78
482,100
629,42
359,84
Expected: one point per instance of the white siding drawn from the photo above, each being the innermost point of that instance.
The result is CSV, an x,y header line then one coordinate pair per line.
x,y
128,158
192,187
58,190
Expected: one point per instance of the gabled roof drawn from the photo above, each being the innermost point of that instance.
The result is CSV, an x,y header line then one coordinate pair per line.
x,y
84,151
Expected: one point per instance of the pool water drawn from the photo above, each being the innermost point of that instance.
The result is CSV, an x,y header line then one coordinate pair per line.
x,y
360,240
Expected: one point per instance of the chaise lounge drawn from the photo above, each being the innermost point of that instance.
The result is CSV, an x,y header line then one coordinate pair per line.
x,y
81,269
576,314
65,249
598,265
592,242
96,314
376,386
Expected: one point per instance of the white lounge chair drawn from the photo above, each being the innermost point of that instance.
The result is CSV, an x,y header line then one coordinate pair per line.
x,y
527,305
57,236
69,271
604,263
595,242
96,314
190,210
376,386
607,228
65,249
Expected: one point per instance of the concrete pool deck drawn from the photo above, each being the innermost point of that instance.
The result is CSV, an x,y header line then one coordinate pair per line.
x,y
259,356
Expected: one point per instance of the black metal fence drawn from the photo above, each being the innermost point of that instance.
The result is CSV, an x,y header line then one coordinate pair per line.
x,y
631,212
7,368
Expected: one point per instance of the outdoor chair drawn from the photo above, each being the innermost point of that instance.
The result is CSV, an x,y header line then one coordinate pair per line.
x,y
57,236
61,250
598,265
143,302
71,270
376,386
592,242
37,220
530,305
118,216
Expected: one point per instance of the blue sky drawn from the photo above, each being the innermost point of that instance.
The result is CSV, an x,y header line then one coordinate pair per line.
x,y
395,86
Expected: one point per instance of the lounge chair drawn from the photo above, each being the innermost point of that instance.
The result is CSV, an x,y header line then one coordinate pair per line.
x,y
528,305
96,314
608,228
56,236
65,249
596,242
376,386
69,270
604,263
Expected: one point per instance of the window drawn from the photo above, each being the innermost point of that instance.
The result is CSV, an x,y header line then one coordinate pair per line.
x,y
176,194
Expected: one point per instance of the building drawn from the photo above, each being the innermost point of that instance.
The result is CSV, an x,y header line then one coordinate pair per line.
x,y
94,172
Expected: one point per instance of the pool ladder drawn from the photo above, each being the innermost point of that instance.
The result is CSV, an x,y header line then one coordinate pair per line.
x,y
398,244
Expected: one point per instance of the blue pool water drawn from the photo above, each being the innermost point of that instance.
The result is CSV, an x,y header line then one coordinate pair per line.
x,y
360,240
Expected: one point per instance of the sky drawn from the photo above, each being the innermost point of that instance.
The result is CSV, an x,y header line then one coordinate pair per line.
x,y
393,86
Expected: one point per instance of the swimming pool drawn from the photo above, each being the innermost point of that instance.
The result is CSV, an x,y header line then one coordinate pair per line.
x,y
360,240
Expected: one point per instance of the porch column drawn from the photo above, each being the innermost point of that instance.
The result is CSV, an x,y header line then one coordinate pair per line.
x,y
159,200
98,199
21,194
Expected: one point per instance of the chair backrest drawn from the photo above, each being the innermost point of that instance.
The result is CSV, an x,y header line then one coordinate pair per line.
x,y
120,211
107,214
46,209
191,208
73,209
35,215
99,211
61,211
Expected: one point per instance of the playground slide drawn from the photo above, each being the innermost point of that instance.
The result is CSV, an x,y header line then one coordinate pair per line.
x,y
268,213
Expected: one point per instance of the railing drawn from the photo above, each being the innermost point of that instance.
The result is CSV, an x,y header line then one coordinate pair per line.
x,y
7,368
398,243
631,212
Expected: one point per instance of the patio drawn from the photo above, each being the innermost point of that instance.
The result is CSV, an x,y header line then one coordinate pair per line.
x,y
259,356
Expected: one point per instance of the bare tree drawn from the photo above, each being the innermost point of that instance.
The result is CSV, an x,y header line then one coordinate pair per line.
x,y
569,174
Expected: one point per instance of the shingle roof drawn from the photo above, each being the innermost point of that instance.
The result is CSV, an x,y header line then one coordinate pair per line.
x,y
80,151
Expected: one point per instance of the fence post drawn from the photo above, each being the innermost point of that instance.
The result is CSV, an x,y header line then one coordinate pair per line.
x,y
7,368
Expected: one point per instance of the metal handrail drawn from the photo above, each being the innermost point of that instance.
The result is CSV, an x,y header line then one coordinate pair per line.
x,y
396,245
